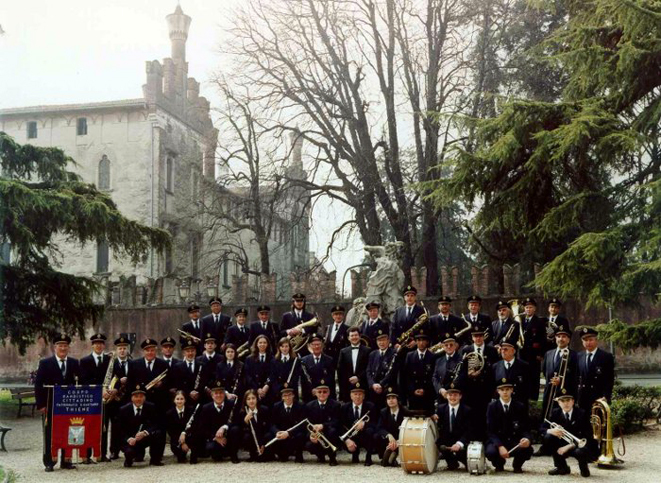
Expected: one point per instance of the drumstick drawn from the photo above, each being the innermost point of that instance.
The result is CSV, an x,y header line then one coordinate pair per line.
x,y
514,448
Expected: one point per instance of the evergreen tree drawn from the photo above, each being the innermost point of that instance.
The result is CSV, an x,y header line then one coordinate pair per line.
x,y
575,182
40,198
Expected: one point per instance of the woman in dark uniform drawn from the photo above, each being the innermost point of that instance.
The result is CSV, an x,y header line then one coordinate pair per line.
x,y
176,420
286,368
254,423
230,372
258,368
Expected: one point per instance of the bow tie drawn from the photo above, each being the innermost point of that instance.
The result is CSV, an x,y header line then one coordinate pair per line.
x,y
355,348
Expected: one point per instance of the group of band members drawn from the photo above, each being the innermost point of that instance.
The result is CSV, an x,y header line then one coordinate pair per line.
x,y
243,386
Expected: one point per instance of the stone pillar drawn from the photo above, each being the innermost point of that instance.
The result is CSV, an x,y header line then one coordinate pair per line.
x,y
475,280
508,282
485,280
239,288
153,89
116,294
140,295
268,282
169,74
331,285
455,282
516,278
445,283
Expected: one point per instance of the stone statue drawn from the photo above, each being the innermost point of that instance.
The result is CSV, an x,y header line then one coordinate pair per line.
x,y
356,313
386,282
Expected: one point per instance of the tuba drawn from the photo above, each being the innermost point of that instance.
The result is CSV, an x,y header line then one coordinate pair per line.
x,y
602,430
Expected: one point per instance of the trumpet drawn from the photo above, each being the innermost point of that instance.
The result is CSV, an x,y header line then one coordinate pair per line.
x,y
353,430
242,350
319,436
566,435
188,335
156,380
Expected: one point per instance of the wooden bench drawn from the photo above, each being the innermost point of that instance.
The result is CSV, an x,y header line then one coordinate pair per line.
x,y
22,394
3,431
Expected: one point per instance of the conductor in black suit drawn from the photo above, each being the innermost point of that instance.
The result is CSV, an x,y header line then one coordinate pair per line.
x,y
405,317
264,326
352,365
195,327
455,428
57,370
216,321
507,426
596,369
140,429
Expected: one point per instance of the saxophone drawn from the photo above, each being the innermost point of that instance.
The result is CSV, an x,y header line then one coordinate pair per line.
x,y
422,320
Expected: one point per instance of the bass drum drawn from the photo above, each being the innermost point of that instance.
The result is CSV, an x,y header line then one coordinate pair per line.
x,y
417,445
475,460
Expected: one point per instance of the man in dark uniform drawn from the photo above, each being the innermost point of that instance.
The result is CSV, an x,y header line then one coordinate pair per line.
x,y
575,421
534,346
120,393
504,325
386,436
351,414
352,365
285,415
508,426
374,324
167,350
517,371
444,322
552,370
405,317
455,427
295,317
596,369
57,370
216,322
93,370
195,327
382,370
324,415
445,366
489,352
238,334
208,362
144,370
336,334
482,321
553,321
318,369
138,421
418,371
264,326
213,433
187,372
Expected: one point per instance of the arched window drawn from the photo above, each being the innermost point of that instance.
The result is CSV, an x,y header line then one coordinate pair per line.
x,y
102,257
104,173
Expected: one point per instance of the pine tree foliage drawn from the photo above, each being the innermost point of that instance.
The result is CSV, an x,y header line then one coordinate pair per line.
x,y
628,337
41,198
575,183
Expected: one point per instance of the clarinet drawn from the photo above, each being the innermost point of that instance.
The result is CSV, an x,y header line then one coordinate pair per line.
x,y
392,364
189,424
291,373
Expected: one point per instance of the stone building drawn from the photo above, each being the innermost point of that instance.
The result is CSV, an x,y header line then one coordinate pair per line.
x,y
155,156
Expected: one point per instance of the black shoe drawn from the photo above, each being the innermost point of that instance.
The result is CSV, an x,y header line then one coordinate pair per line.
x,y
283,458
453,465
156,463
299,458
128,463
585,469
539,452
559,471
105,459
235,460
332,460
499,469
193,460
89,461
182,460
517,469
139,460
67,466
321,458
394,462
385,461
114,456
355,458
48,469
368,460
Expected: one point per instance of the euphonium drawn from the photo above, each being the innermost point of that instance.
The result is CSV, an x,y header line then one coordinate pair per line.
x,y
299,341
602,430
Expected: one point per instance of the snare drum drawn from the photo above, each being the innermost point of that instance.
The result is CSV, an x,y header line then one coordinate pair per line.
x,y
417,445
475,460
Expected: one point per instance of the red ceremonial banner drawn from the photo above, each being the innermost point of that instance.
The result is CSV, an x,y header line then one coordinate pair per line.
x,y
77,420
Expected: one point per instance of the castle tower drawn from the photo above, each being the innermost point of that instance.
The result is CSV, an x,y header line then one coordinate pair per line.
x,y
178,25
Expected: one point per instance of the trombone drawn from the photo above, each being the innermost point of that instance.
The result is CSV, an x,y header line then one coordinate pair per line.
x,y
353,430
319,436
566,435
156,380
562,373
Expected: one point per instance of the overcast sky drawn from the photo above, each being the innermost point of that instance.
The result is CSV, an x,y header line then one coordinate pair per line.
x,y
70,51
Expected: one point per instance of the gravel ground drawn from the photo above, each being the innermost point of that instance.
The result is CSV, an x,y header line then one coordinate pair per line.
x,y
643,464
